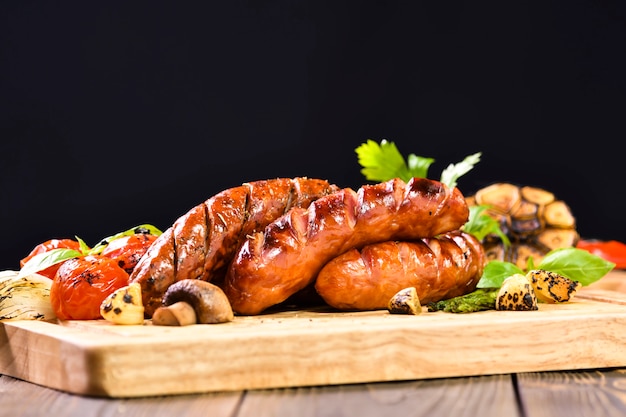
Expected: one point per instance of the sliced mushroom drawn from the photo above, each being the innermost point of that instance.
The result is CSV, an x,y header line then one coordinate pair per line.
x,y
191,301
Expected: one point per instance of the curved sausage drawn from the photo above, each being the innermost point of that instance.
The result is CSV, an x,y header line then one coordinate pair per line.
x,y
439,268
201,243
287,255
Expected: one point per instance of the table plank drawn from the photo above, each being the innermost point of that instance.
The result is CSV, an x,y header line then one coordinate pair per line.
x,y
487,396
24,399
471,396
574,394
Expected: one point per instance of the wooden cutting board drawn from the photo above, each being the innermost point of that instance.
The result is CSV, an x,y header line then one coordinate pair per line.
x,y
317,347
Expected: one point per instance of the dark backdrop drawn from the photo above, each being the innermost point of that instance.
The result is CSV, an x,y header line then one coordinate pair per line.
x,y
120,113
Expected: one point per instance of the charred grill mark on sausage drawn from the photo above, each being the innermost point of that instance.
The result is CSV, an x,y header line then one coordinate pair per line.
x,y
439,267
201,243
273,264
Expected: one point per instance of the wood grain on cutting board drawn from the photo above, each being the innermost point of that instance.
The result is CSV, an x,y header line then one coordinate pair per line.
x,y
315,347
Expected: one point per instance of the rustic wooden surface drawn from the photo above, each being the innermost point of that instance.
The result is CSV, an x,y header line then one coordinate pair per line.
x,y
587,392
313,348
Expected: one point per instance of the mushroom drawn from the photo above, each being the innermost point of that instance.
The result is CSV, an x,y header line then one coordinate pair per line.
x,y
192,301
405,301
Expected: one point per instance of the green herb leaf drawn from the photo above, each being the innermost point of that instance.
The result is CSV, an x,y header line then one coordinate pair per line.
x,y
44,260
576,264
418,166
143,228
453,172
381,162
496,272
480,224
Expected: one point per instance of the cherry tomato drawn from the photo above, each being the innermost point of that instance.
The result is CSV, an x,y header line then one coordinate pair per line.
x,y
45,247
81,284
128,250
611,250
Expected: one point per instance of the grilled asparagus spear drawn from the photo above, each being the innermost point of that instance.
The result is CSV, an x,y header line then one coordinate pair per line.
x,y
478,300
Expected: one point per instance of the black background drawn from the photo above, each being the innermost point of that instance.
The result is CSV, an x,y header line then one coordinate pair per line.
x,y
114,114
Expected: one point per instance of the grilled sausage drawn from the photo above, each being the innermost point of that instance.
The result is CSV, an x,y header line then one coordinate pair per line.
x,y
287,255
439,268
201,243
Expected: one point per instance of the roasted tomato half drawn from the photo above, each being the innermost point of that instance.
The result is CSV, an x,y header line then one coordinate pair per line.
x,y
81,284
128,250
47,246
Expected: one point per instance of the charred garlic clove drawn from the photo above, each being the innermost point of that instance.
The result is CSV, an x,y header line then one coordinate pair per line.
x,y
405,301
551,287
516,294
25,298
124,306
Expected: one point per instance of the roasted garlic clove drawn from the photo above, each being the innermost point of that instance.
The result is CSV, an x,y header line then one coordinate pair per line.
x,y
124,306
516,294
551,287
405,301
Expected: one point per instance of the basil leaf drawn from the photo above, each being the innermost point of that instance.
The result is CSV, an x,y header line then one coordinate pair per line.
x,y
496,272
143,228
576,264
46,259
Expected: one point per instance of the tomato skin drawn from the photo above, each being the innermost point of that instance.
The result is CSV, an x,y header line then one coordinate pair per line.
x,y
128,250
610,250
47,246
81,284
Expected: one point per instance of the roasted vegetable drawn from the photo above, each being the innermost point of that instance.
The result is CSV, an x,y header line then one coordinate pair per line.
x,y
46,247
128,250
534,221
478,300
551,287
82,283
611,250
516,294
123,306
25,298
405,301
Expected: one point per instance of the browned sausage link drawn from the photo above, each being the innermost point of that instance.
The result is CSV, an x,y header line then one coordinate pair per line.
x,y
283,259
202,242
439,268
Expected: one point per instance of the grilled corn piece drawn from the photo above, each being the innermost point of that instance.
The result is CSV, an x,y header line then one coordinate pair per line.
x,y
25,298
551,287
517,294
124,305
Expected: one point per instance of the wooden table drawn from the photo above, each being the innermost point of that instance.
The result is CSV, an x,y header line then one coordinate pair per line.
x,y
590,393
587,392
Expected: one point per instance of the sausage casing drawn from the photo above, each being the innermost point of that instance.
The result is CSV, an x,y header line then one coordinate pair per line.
x,y
440,267
287,255
201,243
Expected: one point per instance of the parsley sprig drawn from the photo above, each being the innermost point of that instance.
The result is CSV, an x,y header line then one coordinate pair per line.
x,y
383,161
